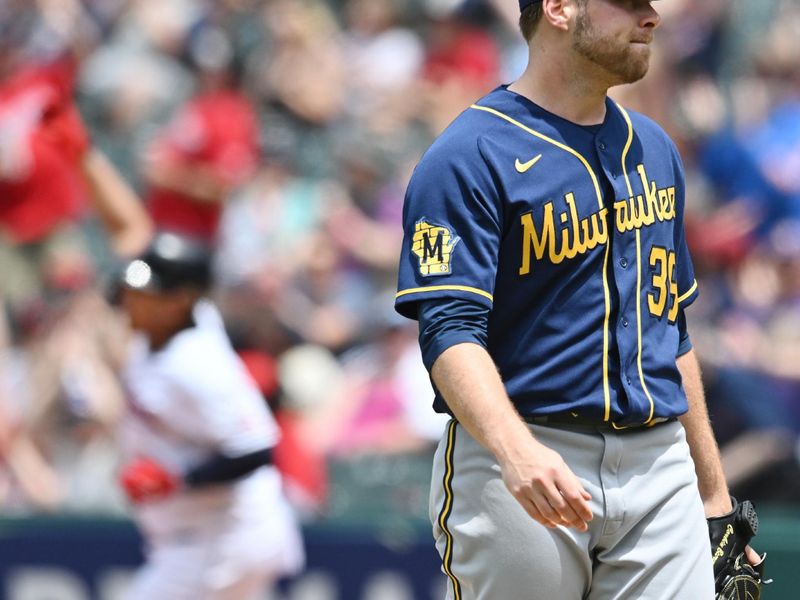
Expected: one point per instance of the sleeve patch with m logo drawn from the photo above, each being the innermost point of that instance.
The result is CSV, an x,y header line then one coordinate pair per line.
x,y
433,245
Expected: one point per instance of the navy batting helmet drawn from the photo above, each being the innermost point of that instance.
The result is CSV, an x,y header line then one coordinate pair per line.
x,y
171,262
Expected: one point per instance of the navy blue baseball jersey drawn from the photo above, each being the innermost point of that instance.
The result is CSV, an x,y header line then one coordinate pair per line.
x,y
573,237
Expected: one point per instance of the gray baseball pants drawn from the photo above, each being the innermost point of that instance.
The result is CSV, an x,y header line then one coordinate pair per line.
x,y
648,539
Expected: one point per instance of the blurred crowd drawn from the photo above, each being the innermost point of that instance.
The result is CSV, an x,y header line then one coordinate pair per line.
x,y
283,132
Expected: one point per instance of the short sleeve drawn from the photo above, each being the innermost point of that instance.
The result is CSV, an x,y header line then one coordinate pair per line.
x,y
684,270
451,228
684,341
220,405
232,415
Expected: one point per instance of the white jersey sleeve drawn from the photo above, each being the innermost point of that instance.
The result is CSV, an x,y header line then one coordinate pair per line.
x,y
233,415
197,390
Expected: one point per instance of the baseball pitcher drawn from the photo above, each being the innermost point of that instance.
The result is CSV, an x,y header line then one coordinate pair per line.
x,y
545,259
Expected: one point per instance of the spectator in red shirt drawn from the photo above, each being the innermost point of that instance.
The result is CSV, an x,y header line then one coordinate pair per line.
x,y
462,51
41,193
209,147
462,63
41,142
49,176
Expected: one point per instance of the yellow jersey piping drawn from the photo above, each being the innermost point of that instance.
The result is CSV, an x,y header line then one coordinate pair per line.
x,y
628,143
689,292
606,292
439,288
447,508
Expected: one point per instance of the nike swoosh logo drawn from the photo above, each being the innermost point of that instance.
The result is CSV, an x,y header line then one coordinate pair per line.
x,y
523,167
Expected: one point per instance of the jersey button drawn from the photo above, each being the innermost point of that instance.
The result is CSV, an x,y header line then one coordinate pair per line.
x,y
601,145
628,379
623,262
624,322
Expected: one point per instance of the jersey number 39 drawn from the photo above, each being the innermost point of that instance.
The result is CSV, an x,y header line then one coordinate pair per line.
x,y
665,294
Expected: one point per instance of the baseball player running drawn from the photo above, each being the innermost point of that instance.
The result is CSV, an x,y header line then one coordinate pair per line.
x,y
198,441
545,259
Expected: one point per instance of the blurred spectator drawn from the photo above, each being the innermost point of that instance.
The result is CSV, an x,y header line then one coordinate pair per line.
x,y
267,228
363,219
462,62
25,476
210,146
382,410
306,407
42,141
300,74
57,398
49,174
323,302
383,61
145,39
304,73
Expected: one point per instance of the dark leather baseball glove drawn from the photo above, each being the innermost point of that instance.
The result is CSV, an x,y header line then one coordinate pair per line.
x,y
734,577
